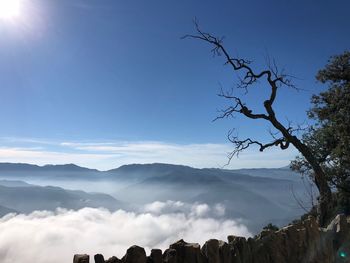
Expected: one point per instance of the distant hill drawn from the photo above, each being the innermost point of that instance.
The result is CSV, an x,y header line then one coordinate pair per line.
x,y
65,171
260,199
258,196
135,171
176,173
5,210
12,183
25,198
138,172
48,167
276,173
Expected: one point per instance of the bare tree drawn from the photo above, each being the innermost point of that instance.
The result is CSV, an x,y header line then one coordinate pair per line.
x,y
274,79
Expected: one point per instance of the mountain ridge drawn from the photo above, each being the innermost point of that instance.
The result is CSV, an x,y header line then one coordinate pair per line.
x,y
34,197
72,166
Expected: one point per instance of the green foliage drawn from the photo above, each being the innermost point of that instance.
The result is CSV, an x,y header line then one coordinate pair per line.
x,y
329,138
295,222
271,227
343,202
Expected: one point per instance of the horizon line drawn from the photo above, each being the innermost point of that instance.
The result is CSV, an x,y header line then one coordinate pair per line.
x,y
130,164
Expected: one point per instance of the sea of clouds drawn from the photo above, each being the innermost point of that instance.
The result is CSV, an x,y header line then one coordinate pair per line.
x,y
45,236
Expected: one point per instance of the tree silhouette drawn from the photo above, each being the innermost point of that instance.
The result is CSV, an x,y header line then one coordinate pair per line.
x,y
285,135
329,137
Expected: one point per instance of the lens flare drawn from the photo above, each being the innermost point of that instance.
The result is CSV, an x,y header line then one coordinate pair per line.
x,y
10,9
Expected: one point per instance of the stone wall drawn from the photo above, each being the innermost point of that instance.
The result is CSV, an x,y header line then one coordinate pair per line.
x,y
302,242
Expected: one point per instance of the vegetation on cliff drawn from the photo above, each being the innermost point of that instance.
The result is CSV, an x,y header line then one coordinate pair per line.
x,y
329,137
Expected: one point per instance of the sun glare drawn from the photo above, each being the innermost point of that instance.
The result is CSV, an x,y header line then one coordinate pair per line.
x,y
9,9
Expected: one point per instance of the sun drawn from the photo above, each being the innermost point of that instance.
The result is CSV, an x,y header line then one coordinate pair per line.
x,y
10,9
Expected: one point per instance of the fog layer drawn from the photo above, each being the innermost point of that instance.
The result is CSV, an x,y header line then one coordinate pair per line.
x,y
55,237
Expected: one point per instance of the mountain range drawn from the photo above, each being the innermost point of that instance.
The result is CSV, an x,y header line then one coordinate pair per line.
x,y
257,196
20,197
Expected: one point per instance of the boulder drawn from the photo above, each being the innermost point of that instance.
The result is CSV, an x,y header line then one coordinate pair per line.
x,y
113,260
99,258
211,251
187,252
170,256
81,258
135,254
156,256
225,252
302,242
241,249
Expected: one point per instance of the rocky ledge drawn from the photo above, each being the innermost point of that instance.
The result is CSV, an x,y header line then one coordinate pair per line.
x,y
301,242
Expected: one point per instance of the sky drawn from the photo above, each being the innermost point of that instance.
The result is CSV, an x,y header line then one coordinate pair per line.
x,y
103,83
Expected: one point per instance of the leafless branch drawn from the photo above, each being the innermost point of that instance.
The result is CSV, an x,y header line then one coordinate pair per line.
x,y
275,80
238,107
240,145
273,76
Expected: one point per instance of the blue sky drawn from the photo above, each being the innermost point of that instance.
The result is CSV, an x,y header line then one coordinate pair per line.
x,y
112,72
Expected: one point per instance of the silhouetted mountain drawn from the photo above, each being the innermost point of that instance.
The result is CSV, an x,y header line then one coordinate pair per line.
x,y
49,167
18,167
28,198
139,172
11,183
5,210
67,168
276,173
257,199
65,171
258,196
167,173
152,167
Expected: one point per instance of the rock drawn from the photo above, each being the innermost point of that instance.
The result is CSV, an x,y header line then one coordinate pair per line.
x,y
187,252
241,249
217,251
113,260
236,257
156,256
226,252
211,251
81,258
231,238
135,254
336,235
338,225
99,258
170,256
302,242
265,233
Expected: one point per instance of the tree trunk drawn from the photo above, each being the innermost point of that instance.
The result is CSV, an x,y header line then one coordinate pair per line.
x,y
325,199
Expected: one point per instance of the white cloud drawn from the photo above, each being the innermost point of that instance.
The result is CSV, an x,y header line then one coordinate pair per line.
x,y
195,209
220,209
56,236
108,155
200,210
169,206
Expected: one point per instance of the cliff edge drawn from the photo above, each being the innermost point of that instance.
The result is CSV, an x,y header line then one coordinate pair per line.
x,y
302,242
